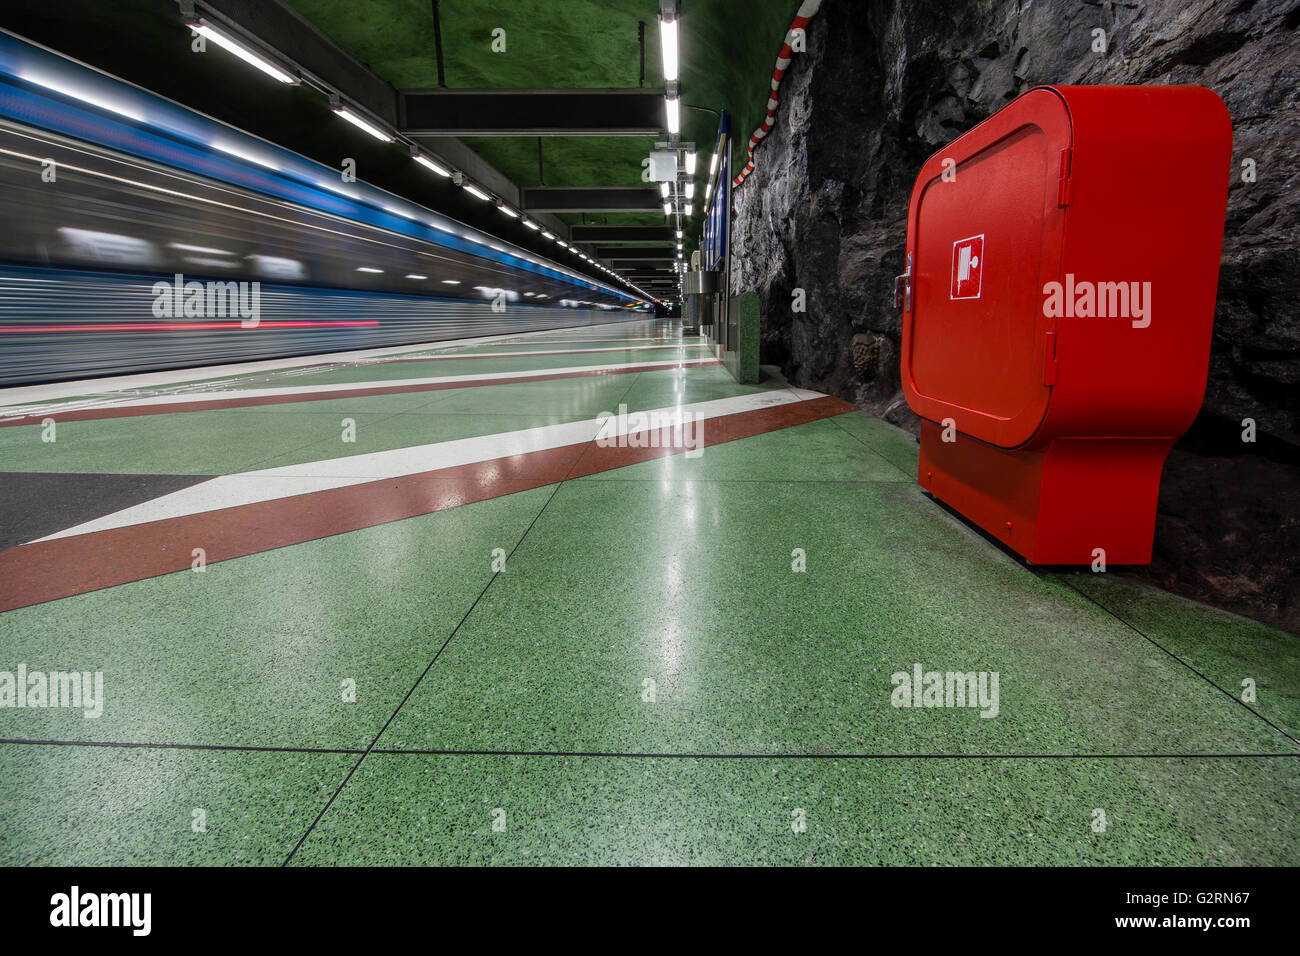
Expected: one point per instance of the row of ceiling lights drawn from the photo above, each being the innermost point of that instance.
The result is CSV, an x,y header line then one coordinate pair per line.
x,y
668,26
251,57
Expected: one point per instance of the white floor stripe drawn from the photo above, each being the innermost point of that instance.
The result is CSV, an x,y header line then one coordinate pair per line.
x,y
483,355
269,484
342,388
117,383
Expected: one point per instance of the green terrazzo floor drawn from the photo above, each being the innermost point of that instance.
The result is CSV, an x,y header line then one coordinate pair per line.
x,y
684,660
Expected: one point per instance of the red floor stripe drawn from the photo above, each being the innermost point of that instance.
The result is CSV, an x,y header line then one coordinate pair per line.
x,y
503,355
49,570
96,414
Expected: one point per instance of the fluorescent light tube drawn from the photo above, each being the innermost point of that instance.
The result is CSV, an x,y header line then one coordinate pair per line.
x,y
241,51
673,106
430,164
361,124
668,46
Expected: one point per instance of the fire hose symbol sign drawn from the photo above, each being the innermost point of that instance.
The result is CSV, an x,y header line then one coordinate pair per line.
x,y
967,267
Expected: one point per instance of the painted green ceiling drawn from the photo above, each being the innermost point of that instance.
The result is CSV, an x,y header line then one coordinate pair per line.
x,y
727,51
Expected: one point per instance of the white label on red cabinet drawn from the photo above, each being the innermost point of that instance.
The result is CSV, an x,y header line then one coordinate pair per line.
x,y
967,267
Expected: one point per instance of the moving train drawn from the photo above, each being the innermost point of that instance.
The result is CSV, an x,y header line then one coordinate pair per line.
x,y
118,207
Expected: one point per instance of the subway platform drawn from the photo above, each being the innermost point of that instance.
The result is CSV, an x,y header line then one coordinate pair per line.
x,y
457,604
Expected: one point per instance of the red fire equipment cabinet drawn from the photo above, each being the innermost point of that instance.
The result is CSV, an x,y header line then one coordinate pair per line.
x,y
1062,261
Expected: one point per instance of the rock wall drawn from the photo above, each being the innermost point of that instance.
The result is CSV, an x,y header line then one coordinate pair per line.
x,y
885,83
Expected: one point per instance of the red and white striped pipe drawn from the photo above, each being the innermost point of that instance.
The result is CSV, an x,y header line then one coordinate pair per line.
x,y
807,10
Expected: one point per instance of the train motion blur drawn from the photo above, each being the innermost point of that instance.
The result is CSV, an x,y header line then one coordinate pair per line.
x,y
114,197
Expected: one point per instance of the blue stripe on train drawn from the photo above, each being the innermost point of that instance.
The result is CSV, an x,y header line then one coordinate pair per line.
x,y
167,134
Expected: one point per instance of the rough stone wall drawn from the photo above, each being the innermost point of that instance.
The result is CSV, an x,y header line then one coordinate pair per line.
x,y
885,83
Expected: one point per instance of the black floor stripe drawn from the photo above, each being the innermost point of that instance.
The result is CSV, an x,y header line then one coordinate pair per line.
x,y
34,504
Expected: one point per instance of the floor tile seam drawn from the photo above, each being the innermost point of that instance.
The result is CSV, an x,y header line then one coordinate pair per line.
x,y
869,446
402,703
649,754
1154,643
